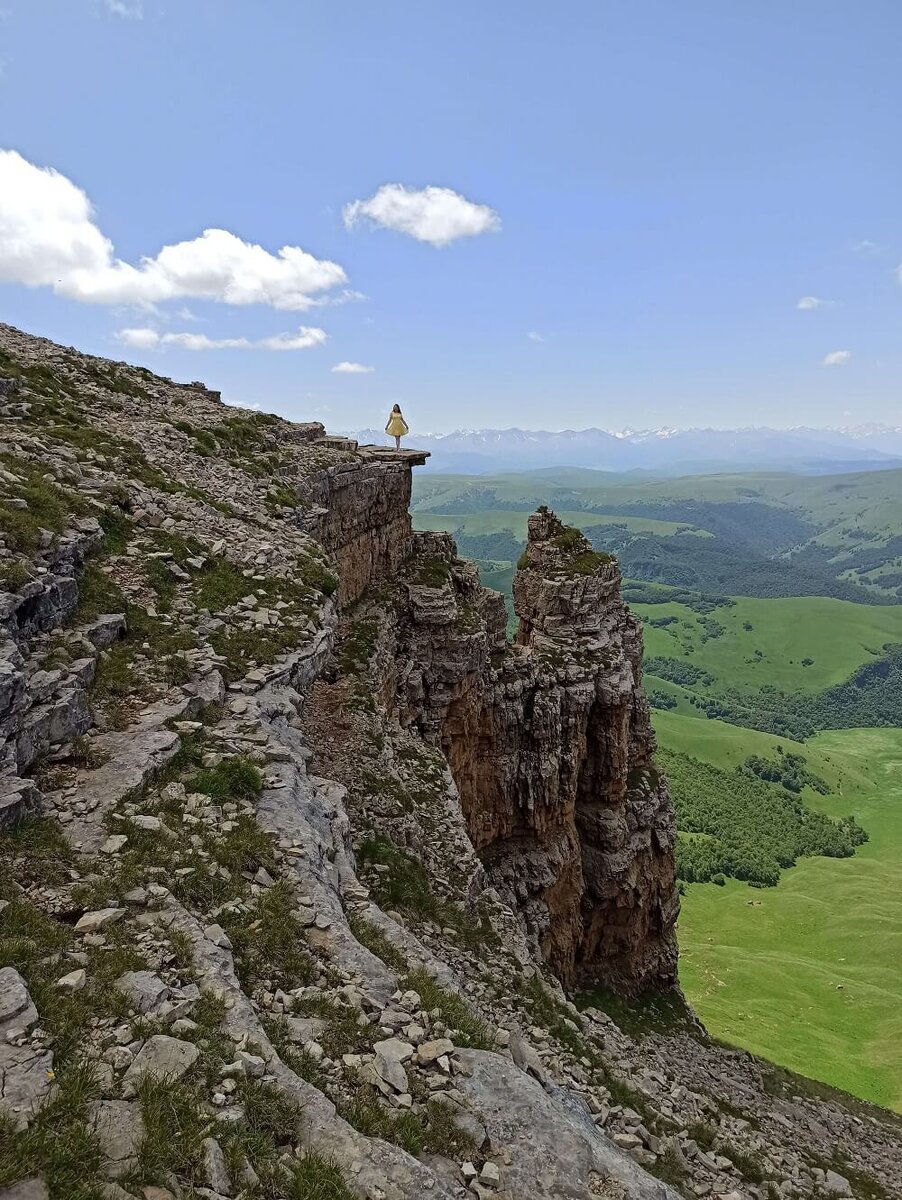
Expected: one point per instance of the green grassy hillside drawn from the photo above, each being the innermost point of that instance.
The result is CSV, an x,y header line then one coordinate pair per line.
x,y
870,501
809,973
770,534
834,635
492,521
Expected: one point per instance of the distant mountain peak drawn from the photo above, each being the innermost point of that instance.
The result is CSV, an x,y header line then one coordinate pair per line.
x,y
668,450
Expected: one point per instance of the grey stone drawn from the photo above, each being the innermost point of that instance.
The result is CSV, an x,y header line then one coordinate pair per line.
x,y
16,1008
390,1054
837,1185
526,1056
27,1189
19,798
215,1170
304,1029
428,1052
554,1146
106,630
26,1077
93,922
119,1129
74,981
161,1057
144,989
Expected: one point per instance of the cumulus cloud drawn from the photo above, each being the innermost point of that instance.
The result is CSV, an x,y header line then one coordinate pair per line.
x,y
352,368
865,246
148,339
436,215
49,238
837,358
809,302
535,336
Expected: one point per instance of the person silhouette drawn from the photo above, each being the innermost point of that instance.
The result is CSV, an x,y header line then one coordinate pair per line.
x,y
396,426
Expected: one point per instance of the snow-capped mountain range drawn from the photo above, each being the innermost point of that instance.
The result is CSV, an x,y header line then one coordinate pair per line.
x,y
662,451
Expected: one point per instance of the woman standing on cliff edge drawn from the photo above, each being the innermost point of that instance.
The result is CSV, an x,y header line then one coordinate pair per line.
x,y
396,425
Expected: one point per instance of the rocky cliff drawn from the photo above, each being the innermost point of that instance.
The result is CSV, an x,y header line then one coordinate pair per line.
x,y
297,851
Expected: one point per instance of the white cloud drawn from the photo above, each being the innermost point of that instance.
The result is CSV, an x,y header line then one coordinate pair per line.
x,y
133,9
139,339
809,302
837,358
48,238
436,214
305,339
535,336
148,339
865,246
352,368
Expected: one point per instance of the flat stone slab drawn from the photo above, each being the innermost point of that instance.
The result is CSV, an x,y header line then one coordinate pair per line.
x,y
119,1130
26,1077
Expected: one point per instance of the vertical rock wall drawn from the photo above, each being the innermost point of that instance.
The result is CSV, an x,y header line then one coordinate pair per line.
x,y
548,740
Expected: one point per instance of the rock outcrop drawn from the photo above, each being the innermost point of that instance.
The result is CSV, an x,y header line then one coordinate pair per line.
x,y
549,741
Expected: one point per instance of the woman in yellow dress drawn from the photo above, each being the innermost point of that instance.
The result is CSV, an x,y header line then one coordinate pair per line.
x,y
396,425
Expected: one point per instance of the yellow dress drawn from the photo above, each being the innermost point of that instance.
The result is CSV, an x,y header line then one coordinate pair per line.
x,y
396,426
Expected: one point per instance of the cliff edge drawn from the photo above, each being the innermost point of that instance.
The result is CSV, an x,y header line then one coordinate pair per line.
x,y
297,851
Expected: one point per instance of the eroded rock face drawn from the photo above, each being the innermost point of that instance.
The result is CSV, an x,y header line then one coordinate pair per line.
x,y
361,512
549,741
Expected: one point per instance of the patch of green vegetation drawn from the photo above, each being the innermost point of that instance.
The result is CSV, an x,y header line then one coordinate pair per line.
x,y
406,886
120,678
431,571
117,527
581,558
432,1131
547,1011
669,1167
220,585
652,1012
59,1144
30,940
278,495
369,935
815,947
243,648
267,941
97,594
469,1030
40,850
789,770
175,1124
752,830
231,779
48,506
315,574
357,646
14,574
313,1177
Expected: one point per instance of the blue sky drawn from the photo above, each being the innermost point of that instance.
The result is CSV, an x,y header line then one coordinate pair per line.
x,y
657,186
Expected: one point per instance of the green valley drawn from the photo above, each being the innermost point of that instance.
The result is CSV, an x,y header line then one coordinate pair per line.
x,y
772,614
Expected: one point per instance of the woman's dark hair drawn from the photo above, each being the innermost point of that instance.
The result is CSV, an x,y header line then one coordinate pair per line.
x,y
396,408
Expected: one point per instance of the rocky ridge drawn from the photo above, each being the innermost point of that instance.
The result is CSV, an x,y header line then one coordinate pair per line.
x,y
290,838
